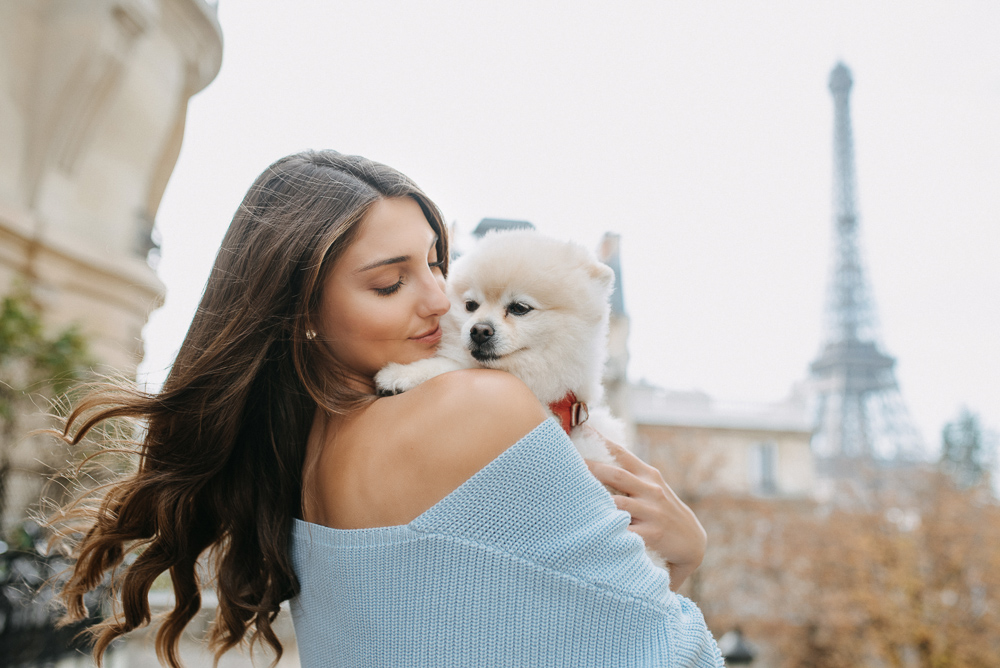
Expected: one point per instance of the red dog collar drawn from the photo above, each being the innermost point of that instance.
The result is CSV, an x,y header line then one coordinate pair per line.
x,y
569,411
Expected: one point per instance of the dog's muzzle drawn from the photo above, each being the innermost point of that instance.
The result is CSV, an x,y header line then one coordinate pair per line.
x,y
482,343
481,333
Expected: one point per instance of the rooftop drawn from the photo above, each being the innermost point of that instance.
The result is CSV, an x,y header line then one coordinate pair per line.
x,y
651,405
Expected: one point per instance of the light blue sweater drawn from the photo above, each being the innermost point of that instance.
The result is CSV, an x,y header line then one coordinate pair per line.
x,y
528,563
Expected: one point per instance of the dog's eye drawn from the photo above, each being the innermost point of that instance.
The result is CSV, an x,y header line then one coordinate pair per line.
x,y
518,308
471,306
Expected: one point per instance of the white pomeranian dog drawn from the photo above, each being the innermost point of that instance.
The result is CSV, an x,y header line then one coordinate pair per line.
x,y
535,307
538,308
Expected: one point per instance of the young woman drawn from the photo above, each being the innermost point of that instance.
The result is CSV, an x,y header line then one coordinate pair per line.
x,y
451,525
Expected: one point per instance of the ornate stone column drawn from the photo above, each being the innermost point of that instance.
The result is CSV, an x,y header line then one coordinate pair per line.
x,y
93,100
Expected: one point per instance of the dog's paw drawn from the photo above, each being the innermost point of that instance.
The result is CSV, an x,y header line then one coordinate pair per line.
x,y
396,378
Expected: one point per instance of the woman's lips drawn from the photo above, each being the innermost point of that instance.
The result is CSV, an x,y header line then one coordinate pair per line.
x,y
430,337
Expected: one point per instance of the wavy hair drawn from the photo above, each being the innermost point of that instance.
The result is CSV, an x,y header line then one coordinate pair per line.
x,y
221,447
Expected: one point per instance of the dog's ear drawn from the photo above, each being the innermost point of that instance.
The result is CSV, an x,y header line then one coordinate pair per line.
x,y
603,274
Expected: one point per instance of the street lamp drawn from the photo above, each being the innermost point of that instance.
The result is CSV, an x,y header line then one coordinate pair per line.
x,y
735,649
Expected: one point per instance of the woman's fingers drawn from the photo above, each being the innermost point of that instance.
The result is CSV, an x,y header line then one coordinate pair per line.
x,y
618,478
626,459
629,504
665,523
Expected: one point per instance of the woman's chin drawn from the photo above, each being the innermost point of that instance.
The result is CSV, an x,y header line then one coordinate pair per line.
x,y
412,355
425,352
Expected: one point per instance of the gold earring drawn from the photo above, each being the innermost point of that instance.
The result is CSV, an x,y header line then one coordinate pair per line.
x,y
310,334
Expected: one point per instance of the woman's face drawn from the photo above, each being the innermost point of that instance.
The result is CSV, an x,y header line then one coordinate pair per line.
x,y
384,297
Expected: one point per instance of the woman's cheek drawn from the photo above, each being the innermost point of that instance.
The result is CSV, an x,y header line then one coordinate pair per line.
x,y
384,322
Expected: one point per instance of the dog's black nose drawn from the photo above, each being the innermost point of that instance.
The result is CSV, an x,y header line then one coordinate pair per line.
x,y
481,333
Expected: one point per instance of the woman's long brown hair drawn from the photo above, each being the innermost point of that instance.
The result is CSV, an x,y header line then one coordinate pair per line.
x,y
222,446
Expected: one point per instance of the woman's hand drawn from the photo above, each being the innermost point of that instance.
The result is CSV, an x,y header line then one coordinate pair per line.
x,y
664,521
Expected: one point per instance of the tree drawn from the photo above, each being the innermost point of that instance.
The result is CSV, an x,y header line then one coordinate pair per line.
x,y
35,369
965,453
909,578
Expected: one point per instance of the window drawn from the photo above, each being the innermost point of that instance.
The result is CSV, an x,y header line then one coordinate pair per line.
x,y
763,472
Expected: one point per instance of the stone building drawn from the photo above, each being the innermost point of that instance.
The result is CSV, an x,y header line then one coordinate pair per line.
x,y
615,379
705,446
93,100
93,103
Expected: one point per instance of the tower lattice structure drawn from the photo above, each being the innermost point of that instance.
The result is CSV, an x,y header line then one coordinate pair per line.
x,y
860,413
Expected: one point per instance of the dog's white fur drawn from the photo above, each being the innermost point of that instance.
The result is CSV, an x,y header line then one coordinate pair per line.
x,y
558,345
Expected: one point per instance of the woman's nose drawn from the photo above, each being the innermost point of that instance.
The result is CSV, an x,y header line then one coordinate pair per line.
x,y
435,301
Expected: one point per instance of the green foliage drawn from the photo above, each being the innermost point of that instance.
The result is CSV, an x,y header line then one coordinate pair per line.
x,y
32,362
36,369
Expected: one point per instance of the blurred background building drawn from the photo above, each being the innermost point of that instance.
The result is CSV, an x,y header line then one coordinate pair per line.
x,y
93,99
93,102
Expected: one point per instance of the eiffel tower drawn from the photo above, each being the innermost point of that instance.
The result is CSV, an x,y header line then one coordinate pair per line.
x,y
860,414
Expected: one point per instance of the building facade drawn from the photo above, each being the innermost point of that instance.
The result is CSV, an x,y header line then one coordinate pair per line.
x,y
93,101
704,446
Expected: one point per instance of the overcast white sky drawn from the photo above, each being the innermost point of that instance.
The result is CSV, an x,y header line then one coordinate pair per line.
x,y
699,131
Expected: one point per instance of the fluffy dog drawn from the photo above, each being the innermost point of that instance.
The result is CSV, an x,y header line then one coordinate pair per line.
x,y
537,308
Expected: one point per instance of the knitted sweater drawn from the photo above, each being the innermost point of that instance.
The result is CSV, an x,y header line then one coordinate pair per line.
x,y
527,563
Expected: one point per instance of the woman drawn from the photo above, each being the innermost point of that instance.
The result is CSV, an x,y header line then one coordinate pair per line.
x,y
268,450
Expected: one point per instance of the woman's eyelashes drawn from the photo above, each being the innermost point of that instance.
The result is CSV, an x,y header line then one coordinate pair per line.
x,y
385,292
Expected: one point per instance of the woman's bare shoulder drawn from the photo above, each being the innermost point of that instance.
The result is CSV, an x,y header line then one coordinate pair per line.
x,y
451,426
458,391
473,409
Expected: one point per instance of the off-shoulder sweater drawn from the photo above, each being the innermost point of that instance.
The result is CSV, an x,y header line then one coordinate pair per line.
x,y
528,563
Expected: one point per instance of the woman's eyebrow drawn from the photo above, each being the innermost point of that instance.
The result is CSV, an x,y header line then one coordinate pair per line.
x,y
382,263
392,260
